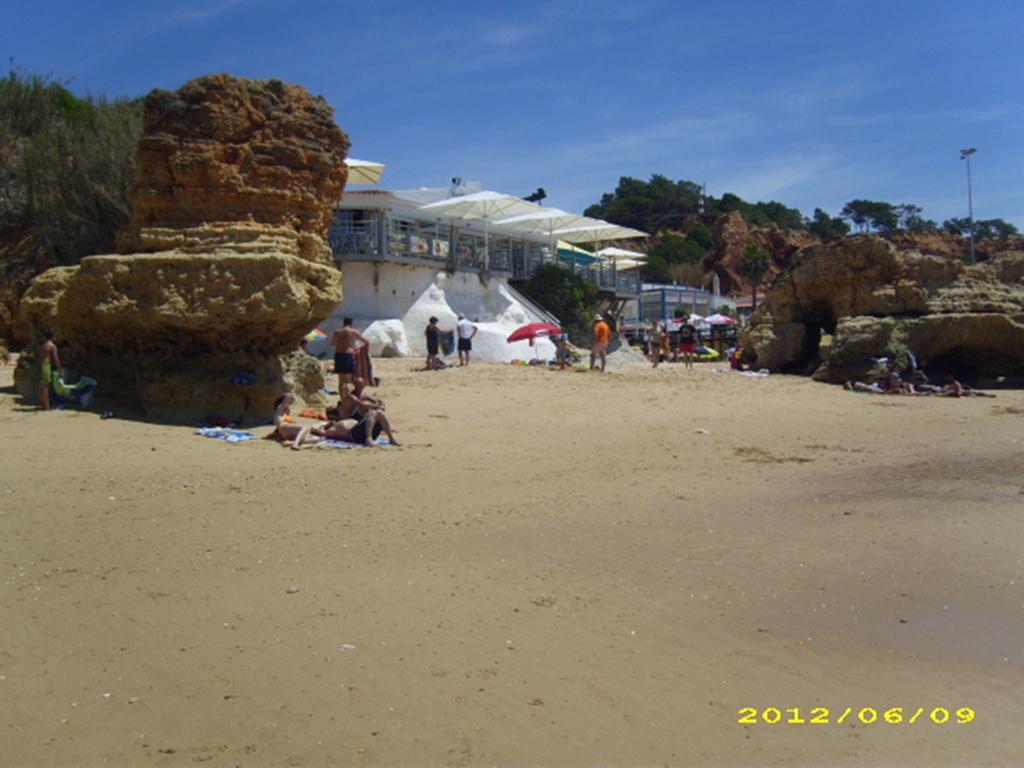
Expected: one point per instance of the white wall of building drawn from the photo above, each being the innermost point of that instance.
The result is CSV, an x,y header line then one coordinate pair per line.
x,y
387,293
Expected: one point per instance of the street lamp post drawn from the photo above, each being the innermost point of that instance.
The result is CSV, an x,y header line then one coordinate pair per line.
x,y
965,154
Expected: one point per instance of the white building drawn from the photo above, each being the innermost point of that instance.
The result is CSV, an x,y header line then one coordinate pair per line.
x,y
401,266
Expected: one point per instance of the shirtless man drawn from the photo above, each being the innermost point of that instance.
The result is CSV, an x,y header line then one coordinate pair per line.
x,y
50,362
353,402
346,341
359,390
362,429
287,431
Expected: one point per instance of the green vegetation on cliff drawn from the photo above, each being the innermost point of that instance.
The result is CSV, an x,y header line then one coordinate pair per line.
x,y
568,296
67,166
661,205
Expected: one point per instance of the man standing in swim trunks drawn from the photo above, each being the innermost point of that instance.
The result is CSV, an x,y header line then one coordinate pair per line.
x,y
602,335
346,341
466,331
50,363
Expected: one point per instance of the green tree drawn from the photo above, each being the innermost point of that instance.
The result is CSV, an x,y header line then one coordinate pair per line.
x,y
871,215
753,266
701,234
652,205
988,228
957,226
662,204
656,269
674,249
911,220
994,228
569,297
826,226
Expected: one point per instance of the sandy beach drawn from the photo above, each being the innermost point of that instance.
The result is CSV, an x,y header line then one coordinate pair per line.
x,y
557,569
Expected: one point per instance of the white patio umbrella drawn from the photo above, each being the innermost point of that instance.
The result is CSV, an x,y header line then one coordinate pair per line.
x,y
623,259
543,222
597,230
621,253
484,206
363,171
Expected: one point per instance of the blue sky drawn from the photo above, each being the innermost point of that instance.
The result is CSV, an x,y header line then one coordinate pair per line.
x,y
812,104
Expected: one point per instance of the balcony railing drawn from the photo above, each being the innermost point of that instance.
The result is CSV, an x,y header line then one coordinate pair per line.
x,y
375,238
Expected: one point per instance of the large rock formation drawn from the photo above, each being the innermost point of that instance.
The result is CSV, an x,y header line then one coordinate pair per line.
x,y
733,236
878,302
229,265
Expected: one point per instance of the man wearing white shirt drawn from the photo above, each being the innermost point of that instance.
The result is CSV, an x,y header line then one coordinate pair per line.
x,y
466,331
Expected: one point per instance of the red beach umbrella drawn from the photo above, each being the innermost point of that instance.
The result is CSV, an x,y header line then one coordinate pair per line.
x,y
532,331
717,319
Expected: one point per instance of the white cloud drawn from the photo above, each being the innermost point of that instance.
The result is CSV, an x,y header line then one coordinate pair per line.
x,y
771,178
201,14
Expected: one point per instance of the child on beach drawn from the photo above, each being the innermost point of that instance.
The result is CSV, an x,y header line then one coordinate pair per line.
x,y
297,434
562,353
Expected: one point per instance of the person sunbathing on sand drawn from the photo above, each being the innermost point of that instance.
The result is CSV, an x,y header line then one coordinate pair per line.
x,y
297,434
860,386
363,430
886,384
954,388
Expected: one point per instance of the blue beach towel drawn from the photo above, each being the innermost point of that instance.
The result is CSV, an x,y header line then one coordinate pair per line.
x,y
224,433
382,441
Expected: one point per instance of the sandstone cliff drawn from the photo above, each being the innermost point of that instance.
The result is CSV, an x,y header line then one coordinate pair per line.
x,y
229,265
226,164
733,235
878,302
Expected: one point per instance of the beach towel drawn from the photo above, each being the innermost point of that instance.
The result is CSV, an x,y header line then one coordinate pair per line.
x,y
382,441
447,339
364,365
78,394
224,433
